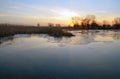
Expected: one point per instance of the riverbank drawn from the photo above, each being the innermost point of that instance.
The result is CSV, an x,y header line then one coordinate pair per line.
x,y
8,30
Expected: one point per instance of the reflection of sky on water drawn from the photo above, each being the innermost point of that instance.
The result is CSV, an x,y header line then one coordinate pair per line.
x,y
88,55
86,37
80,38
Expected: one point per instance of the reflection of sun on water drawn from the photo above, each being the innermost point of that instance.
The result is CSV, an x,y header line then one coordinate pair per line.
x,y
103,38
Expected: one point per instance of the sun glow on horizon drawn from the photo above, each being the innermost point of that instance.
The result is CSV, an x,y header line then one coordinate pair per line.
x,y
32,12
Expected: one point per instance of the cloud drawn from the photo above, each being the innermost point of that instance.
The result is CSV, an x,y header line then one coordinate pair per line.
x,y
63,13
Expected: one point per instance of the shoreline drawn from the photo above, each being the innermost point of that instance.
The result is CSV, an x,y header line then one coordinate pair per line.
x,y
10,30
52,31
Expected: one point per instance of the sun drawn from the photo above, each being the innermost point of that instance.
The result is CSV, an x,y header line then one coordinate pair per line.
x,y
68,14
64,15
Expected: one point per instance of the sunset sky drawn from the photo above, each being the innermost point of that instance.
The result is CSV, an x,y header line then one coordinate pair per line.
x,y
31,12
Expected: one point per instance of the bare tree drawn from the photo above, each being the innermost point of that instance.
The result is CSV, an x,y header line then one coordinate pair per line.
x,y
117,23
117,20
50,24
87,21
58,25
38,25
76,21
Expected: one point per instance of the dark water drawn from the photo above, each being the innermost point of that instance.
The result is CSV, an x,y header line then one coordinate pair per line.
x,y
88,55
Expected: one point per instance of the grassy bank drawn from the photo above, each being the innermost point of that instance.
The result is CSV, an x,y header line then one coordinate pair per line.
x,y
8,30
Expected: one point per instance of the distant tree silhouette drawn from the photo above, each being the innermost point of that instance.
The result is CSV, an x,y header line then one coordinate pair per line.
x,y
89,22
106,25
117,23
94,25
117,20
38,25
58,25
76,21
50,24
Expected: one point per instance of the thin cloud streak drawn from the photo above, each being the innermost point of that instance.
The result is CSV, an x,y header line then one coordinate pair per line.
x,y
57,10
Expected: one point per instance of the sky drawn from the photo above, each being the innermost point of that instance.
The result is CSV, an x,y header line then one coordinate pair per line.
x,y
31,12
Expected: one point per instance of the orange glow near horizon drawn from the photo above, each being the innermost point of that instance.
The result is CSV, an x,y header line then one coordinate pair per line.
x,y
64,19
31,12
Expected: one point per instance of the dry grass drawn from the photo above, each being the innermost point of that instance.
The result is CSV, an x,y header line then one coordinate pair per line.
x,y
8,30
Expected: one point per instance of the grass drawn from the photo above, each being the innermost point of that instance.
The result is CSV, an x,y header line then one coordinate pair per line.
x,y
8,30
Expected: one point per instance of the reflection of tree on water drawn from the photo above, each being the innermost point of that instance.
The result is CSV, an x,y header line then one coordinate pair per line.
x,y
9,40
116,36
89,36
6,39
54,39
84,31
81,37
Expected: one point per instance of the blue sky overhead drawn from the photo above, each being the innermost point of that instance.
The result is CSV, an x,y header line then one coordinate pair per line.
x,y
32,12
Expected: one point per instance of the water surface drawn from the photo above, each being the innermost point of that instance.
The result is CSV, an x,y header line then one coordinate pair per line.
x,y
88,55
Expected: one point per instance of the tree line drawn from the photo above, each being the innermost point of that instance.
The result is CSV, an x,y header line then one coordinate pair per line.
x,y
89,22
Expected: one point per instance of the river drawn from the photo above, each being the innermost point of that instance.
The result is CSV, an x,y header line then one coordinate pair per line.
x,y
93,54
